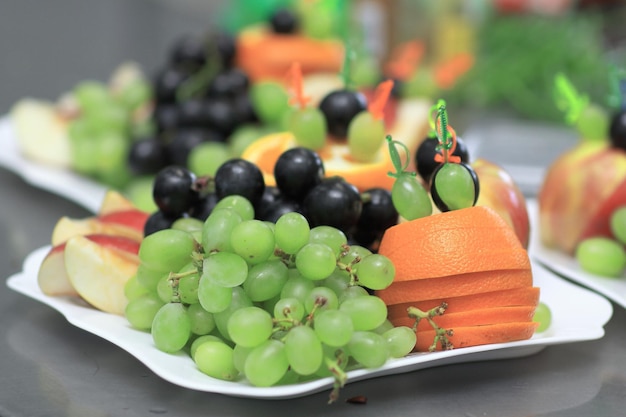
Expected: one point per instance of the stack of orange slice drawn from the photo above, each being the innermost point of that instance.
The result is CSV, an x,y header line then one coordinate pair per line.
x,y
471,260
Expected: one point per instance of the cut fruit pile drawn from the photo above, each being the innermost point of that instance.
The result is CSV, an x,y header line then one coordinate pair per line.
x,y
93,258
471,260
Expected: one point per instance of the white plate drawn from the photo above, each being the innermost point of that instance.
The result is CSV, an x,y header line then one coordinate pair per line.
x,y
67,184
570,324
563,264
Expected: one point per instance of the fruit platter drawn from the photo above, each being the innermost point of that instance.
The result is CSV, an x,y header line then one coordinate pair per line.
x,y
265,227
569,325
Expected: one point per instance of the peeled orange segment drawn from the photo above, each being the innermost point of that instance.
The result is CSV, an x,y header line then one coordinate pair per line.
x,y
512,297
410,127
479,335
266,55
455,285
481,317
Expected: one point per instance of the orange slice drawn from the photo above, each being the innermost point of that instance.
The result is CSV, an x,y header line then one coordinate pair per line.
x,y
410,127
265,55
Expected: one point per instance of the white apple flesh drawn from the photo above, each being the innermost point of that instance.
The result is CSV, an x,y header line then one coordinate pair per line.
x,y
99,273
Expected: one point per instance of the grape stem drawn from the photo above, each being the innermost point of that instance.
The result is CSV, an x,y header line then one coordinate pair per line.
x,y
340,377
174,280
441,334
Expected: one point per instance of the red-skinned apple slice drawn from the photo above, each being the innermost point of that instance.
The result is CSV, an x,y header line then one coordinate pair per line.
x,y
99,273
52,275
126,223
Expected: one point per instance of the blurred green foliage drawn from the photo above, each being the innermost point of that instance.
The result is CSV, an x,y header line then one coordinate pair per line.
x,y
518,57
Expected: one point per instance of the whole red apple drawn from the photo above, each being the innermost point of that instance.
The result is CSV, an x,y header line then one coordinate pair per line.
x,y
580,191
499,191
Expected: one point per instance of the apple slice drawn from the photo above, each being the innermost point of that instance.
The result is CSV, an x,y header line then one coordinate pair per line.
x,y
114,201
52,275
99,273
126,223
41,132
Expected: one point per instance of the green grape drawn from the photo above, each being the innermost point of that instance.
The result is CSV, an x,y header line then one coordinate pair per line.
x,y
296,286
334,327
400,341
188,284
190,225
134,289
244,136
304,350
213,297
140,311
240,354
239,299
270,101
366,135
316,261
317,21
321,298
308,126
205,158
84,151
617,222
367,312
149,278
291,232
139,191
171,328
354,252
543,316
117,177
200,340
266,364
421,84
384,327
266,280
253,241
454,186
225,269
135,94
338,281
375,271
365,72
290,377
368,348
410,198
112,118
330,236
240,204
217,228
353,291
216,360
593,123
112,149
250,326
288,308
166,250
202,322
165,290
91,95
601,256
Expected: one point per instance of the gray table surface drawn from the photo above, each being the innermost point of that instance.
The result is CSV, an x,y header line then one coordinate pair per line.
x,y
50,368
